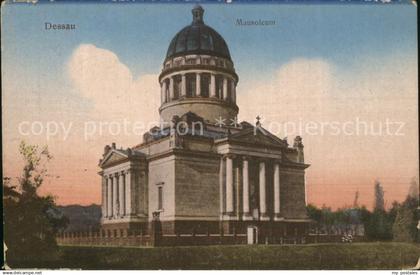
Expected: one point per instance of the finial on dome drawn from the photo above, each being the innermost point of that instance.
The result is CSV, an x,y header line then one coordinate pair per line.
x,y
197,12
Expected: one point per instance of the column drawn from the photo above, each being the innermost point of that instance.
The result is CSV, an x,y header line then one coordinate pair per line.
x,y
163,92
263,207
221,186
171,88
115,195
121,193
144,193
198,84
277,189
103,197
128,207
245,188
212,85
238,191
225,89
183,85
133,191
233,91
139,192
229,184
109,204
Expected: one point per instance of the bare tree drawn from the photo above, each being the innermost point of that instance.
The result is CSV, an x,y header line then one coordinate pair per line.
x,y
356,199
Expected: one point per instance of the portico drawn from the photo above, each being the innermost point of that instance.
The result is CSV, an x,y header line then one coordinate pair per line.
x,y
123,186
234,181
117,191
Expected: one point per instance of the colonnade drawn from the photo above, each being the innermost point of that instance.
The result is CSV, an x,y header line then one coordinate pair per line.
x,y
228,192
198,84
116,194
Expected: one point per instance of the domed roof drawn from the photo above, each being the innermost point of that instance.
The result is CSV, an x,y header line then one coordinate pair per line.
x,y
198,38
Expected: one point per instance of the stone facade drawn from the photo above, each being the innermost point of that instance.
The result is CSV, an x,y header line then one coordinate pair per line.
x,y
191,177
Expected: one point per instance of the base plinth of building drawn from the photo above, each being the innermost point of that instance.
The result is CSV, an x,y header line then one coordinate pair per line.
x,y
264,218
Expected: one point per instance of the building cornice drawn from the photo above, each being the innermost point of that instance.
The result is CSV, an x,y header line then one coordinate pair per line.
x,y
195,67
227,140
183,152
202,100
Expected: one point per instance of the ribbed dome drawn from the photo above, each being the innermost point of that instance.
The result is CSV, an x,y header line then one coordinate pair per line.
x,y
198,38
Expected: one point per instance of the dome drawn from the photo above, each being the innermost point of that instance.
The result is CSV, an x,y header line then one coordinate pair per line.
x,y
198,38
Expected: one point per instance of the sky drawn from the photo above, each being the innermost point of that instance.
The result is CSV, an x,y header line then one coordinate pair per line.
x,y
341,65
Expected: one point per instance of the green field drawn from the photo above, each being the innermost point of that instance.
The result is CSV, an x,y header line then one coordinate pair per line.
x,y
385,255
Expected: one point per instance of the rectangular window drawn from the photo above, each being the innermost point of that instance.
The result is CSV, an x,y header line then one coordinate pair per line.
x,y
160,198
191,85
178,62
191,61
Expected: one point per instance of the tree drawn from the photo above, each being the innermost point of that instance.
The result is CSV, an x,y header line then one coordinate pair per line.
x,y
409,210
356,200
379,197
402,231
314,213
31,221
327,218
405,221
413,190
378,224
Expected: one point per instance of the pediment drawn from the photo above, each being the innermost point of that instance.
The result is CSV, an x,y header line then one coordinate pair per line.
x,y
257,136
113,157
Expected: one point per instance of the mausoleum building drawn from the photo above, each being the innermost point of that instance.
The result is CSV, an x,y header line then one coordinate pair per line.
x,y
201,173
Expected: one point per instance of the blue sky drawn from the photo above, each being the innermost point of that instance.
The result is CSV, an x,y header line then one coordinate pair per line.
x,y
139,34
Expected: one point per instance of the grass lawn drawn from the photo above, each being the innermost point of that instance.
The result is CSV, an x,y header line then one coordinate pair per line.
x,y
379,255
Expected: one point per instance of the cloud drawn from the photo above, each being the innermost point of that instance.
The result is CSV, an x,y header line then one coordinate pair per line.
x,y
299,89
307,90
103,90
98,75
